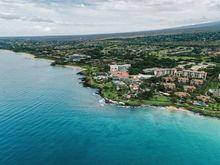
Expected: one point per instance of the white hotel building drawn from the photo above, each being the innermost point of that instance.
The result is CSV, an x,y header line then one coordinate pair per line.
x,y
120,68
165,71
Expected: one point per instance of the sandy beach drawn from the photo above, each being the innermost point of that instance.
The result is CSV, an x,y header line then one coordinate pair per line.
x,y
173,108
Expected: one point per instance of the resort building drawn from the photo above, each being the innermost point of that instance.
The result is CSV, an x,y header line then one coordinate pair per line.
x,y
134,78
165,71
171,86
193,74
215,92
144,77
183,80
204,98
100,76
119,75
120,68
78,57
189,88
169,79
149,70
134,87
196,82
182,94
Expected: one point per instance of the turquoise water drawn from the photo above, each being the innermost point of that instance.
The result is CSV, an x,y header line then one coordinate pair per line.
x,y
47,117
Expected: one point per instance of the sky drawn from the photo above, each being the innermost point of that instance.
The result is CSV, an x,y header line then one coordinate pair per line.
x,y
75,17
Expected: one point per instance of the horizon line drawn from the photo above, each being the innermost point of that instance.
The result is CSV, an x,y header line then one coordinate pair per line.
x,y
109,33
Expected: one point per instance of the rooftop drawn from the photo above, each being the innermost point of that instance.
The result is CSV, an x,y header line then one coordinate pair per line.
x,y
194,71
197,80
162,69
182,94
204,97
189,87
169,84
183,78
120,74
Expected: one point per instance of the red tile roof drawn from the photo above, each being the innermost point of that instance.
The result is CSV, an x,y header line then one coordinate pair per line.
x,y
169,84
182,94
120,74
204,98
197,81
186,87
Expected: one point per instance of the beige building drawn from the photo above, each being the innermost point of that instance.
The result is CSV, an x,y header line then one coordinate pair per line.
x,y
189,88
182,94
169,86
158,72
196,82
165,71
204,98
183,80
193,74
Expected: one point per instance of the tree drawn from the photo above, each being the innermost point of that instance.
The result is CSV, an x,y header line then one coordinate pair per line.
x,y
145,95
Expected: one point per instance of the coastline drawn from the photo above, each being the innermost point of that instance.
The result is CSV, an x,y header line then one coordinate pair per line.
x,y
121,103
28,55
80,69
34,57
31,56
173,108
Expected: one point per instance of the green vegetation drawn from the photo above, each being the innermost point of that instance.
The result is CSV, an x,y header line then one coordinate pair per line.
x,y
181,51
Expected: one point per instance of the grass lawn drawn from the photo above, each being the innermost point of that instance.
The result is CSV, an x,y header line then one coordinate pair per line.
x,y
158,100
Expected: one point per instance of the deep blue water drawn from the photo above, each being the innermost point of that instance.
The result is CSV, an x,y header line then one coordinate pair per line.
x,y
47,117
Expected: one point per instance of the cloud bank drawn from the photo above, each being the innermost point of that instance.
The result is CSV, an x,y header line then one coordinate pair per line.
x,y
70,17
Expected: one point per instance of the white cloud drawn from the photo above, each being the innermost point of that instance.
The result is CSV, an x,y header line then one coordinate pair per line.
x,y
51,17
42,29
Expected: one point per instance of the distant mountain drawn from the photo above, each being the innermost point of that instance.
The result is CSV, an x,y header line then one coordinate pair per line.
x,y
205,27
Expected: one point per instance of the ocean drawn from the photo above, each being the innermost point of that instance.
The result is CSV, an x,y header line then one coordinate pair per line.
x,y
48,117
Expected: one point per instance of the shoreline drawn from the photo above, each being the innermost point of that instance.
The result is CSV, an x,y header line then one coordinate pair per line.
x,y
114,102
34,57
109,101
173,108
78,68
